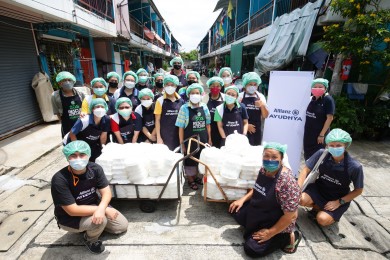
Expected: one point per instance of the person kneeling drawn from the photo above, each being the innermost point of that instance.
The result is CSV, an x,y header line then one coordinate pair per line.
x,y
269,211
330,195
77,205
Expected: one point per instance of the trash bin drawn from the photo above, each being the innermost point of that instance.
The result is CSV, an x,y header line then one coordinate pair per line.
x,y
43,90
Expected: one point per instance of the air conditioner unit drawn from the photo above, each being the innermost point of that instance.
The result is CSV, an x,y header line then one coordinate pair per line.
x,y
327,16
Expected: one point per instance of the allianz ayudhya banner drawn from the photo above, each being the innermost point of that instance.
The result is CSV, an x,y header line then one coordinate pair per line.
x,y
288,97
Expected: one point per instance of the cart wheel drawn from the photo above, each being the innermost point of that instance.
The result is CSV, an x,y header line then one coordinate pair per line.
x,y
147,206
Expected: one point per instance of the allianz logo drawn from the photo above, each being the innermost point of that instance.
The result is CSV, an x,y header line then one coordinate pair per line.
x,y
286,114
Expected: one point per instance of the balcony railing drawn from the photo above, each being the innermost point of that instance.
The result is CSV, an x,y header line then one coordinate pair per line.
x,y
262,18
136,27
230,37
242,30
102,8
287,6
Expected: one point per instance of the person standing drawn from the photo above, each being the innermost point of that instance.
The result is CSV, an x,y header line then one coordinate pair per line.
x,y
191,77
130,79
319,116
227,75
216,98
166,110
146,112
66,101
143,81
113,79
193,119
158,85
177,64
256,106
77,206
99,88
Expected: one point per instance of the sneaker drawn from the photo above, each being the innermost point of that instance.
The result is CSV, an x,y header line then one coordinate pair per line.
x,y
95,247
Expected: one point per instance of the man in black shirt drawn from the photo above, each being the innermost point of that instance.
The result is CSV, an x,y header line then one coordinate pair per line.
x,y
77,205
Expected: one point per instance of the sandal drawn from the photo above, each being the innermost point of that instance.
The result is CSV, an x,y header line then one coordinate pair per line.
x,y
298,238
198,181
193,185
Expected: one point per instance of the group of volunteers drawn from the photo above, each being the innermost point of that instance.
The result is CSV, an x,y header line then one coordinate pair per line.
x,y
175,108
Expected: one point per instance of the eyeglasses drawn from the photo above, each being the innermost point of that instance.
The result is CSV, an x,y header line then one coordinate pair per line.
x,y
121,108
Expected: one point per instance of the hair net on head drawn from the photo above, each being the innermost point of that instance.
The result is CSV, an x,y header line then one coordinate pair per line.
x,y
101,80
232,87
97,101
127,73
113,74
322,81
158,75
171,78
193,72
222,70
145,92
76,146
139,71
65,75
277,146
121,101
213,80
192,87
251,77
176,59
338,135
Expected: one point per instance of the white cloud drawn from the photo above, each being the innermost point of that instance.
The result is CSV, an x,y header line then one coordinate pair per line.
x,y
189,20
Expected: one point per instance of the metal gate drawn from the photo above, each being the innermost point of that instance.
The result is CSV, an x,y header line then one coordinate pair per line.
x,y
18,65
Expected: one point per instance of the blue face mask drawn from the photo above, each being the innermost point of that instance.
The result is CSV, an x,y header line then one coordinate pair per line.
x,y
336,151
78,164
229,99
270,166
99,91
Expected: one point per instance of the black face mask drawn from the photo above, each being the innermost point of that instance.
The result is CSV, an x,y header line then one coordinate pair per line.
x,y
159,84
177,67
113,84
190,82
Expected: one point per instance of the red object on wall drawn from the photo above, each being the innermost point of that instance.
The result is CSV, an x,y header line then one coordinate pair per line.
x,y
127,65
86,65
346,69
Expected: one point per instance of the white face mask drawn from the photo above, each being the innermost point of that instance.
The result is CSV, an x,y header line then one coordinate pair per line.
x,y
129,84
195,98
170,90
99,112
251,89
147,103
78,164
227,80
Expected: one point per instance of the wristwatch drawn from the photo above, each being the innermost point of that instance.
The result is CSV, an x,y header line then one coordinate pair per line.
x,y
341,201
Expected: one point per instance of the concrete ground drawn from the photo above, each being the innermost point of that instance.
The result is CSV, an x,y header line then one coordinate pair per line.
x,y
186,229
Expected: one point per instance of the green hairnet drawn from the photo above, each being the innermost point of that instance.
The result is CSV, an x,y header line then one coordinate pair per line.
x,y
194,86
145,92
132,74
222,70
193,72
251,77
277,146
322,81
176,59
65,75
113,74
158,75
139,71
338,135
101,80
76,146
121,101
97,101
171,78
215,79
232,87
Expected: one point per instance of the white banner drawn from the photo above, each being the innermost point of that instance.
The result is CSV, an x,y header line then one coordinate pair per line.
x,y
288,97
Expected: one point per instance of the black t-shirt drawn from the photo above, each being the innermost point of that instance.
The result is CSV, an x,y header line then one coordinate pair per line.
x,y
65,193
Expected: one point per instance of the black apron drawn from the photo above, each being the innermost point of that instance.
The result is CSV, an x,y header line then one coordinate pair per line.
x,y
196,126
315,120
264,210
232,120
215,136
331,184
134,99
168,131
126,129
147,121
254,114
91,134
71,107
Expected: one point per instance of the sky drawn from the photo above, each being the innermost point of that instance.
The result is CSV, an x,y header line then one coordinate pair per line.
x,y
189,20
